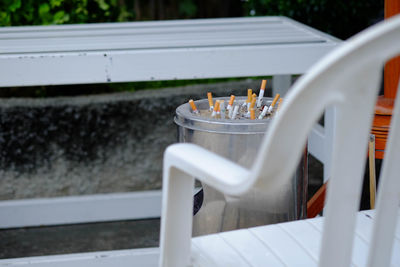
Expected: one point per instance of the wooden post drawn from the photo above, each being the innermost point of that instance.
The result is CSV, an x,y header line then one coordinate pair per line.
x,y
392,67
385,103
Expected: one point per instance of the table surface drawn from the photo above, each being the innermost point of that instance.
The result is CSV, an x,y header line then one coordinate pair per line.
x,y
158,50
295,243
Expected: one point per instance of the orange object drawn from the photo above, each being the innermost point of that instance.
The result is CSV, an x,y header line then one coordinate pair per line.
x,y
217,103
385,103
253,102
193,106
392,67
279,104
316,203
263,84
275,99
210,101
231,100
381,124
252,113
383,112
249,95
221,103
391,78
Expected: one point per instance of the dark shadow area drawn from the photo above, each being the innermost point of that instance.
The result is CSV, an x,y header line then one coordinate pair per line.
x,y
52,240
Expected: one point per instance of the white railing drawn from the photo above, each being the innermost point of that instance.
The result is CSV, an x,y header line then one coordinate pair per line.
x,y
145,51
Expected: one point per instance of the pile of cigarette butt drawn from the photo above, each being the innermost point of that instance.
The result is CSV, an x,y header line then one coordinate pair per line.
x,y
254,107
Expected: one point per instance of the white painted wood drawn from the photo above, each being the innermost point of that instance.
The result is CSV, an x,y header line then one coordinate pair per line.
x,y
80,209
156,64
281,84
320,141
316,142
164,50
147,257
160,34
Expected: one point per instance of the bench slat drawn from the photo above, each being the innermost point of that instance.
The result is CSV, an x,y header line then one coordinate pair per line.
x,y
161,50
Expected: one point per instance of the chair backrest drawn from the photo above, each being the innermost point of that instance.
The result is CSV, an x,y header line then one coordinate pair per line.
x,y
349,79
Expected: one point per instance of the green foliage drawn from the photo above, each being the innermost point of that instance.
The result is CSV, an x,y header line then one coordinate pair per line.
x,y
187,9
341,18
42,12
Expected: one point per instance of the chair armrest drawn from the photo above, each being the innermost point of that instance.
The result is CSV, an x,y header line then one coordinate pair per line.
x,y
181,163
208,167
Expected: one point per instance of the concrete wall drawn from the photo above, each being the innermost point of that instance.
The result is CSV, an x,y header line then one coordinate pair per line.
x,y
93,144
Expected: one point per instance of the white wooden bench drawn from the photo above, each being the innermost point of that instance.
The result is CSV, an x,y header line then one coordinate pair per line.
x,y
163,50
146,51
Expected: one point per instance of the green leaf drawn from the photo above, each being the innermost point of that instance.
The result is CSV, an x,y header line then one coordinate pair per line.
x,y
5,19
55,3
14,6
187,8
44,9
60,17
103,5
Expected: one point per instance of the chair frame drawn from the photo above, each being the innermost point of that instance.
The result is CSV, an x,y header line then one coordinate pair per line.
x,y
348,79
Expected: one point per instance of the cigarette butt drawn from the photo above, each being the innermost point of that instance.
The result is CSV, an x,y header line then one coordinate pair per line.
x,y
263,84
252,113
215,109
275,99
231,100
217,103
279,104
263,113
193,106
261,94
221,107
249,94
253,96
253,103
210,100
230,112
235,112
273,103
221,110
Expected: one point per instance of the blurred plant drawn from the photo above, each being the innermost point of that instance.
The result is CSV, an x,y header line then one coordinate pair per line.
x,y
187,8
42,12
341,18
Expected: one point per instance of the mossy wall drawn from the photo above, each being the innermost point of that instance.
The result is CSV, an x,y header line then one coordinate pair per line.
x,y
92,144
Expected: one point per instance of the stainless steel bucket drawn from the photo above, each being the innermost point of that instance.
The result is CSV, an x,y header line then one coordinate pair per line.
x,y
239,141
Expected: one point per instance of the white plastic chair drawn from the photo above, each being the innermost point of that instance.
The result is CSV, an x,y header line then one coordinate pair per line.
x,y
347,78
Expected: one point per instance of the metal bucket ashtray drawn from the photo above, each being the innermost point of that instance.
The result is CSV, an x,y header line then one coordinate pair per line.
x,y
239,141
